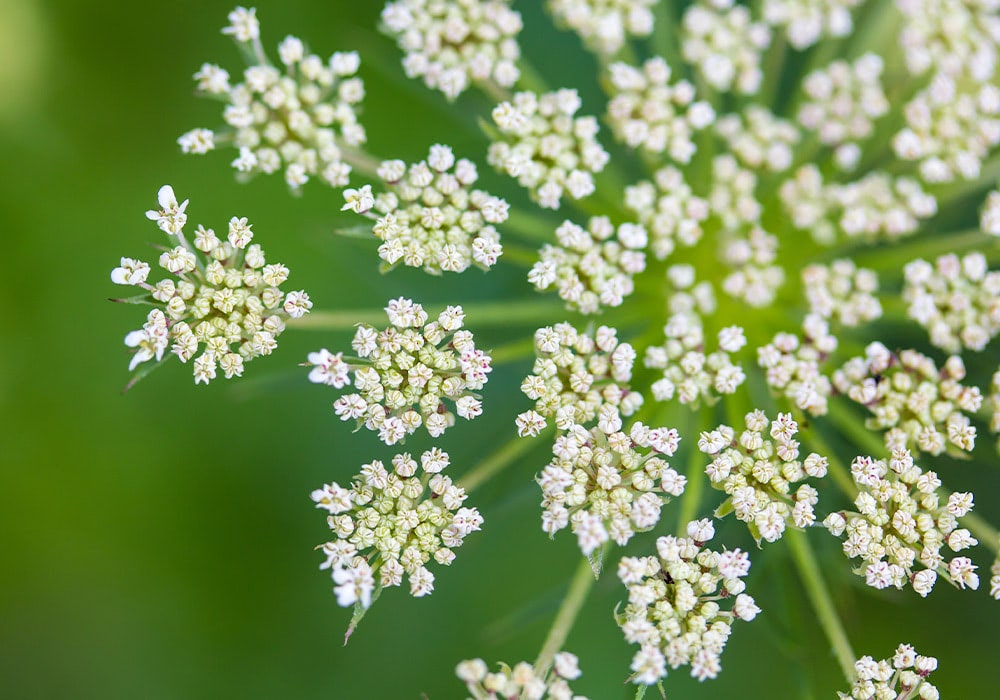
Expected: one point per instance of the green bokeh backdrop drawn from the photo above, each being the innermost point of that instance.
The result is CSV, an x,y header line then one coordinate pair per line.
x,y
159,544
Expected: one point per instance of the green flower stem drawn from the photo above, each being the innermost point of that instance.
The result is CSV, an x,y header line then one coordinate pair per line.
x,y
495,463
864,439
519,255
987,535
506,313
579,587
513,352
836,468
494,92
892,259
530,227
530,78
362,162
694,491
988,176
819,596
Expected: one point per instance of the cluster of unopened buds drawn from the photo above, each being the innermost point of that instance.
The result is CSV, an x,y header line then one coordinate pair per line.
x,y
386,527
901,522
404,373
759,245
902,676
758,469
223,293
522,681
682,604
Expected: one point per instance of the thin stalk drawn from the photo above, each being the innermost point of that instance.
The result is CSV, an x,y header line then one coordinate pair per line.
x,y
819,596
579,587
485,314
984,532
495,463
513,352
695,489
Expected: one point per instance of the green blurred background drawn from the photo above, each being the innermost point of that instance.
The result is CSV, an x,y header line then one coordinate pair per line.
x,y
160,544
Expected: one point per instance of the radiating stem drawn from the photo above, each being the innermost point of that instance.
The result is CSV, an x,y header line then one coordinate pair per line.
x,y
364,163
513,352
987,535
480,315
819,596
579,587
495,463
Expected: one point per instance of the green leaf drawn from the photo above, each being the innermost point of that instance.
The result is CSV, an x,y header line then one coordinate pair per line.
x,y
596,559
357,231
359,612
137,299
144,371
725,508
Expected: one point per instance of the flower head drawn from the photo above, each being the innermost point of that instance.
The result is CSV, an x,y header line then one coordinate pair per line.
x,y
675,603
521,681
758,468
608,483
450,45
546,148
405,373
901,525
296,115
390,523
903,675
430,217
221,304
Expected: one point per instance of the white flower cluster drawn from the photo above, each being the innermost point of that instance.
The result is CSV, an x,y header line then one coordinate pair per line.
x,y
646,111
386,525
808,21
593,267
842,292
954,38
546,148
844,101
725,45
905,676
878,206
956,299
674,612
688,372
919,407
688,296
604,24
225,294
606,483
295,117
429,217
901,522
808,203
731,200
758,474
950,128
759,139
989,219
405,373
574,375
792,365
521,682
668,209
954,122
450,44
756,278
